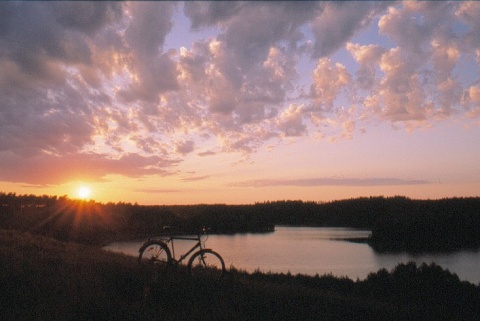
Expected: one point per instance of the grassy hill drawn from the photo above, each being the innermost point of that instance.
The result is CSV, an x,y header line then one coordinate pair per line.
x,y
45,279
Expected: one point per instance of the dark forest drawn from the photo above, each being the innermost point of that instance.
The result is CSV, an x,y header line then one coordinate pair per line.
x,y
397,223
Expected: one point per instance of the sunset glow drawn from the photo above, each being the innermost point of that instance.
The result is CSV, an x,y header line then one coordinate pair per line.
x,y
240,102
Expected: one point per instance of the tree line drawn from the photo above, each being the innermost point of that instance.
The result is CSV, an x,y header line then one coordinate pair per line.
x,y
397,223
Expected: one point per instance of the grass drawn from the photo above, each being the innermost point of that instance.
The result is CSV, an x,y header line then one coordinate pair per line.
x,y
45,279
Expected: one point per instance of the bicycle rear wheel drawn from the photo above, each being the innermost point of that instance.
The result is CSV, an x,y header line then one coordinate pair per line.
x,y
206,263
155,253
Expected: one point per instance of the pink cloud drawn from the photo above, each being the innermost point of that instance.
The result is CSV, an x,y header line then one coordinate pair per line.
x,y
325,181
48,169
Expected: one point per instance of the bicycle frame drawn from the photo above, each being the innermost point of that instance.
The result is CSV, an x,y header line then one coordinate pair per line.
x,y
158,252
197,245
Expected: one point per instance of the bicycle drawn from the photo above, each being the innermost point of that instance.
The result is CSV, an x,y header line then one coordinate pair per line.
x,y
205,261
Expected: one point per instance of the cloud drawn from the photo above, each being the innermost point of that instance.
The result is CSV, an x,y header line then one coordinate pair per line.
x,y
468,12
185,147
153,69
326,181
38,38
240,112
195,178
338,21
96,82
40,119
157,191
367,57
247,69
328,80
46,104
51,170
471,101
414,82
400,89
203,13
207,153
291,121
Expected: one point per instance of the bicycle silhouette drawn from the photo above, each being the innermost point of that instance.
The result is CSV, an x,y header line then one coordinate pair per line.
x,y
156,252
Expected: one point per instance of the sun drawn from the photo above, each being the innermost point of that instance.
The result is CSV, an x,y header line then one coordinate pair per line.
x,y
84,192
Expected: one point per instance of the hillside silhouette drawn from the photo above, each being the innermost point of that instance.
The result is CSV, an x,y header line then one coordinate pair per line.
x,y
46,279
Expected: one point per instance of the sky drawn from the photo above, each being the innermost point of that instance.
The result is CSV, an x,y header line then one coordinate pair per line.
x,y
240,102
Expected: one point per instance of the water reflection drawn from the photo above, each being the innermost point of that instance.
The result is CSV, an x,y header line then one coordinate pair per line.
x,y
316,251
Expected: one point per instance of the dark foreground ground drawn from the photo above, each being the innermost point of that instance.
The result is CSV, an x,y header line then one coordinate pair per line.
x,y
45,279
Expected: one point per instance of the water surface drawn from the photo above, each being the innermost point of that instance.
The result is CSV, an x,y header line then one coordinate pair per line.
x,y
314,251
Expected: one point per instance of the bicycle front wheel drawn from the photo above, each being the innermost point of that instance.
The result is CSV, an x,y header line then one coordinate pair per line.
x,y
206,263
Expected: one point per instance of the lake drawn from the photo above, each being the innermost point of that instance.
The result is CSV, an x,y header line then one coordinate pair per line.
x,y
312,251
